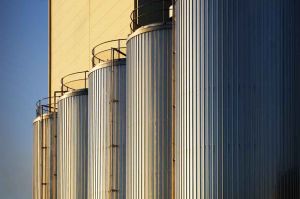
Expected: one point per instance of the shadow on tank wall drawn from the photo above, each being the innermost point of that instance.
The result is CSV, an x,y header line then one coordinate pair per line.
x,y
288,185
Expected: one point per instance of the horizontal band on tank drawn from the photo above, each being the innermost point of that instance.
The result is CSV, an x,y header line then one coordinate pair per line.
x,y
121,61
150,28
44,116
78,92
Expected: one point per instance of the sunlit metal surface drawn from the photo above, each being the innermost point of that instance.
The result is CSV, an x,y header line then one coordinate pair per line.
x,y
72,145
148,110
43,135
235,100
107,131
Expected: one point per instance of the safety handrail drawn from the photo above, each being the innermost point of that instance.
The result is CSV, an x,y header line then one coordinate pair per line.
x,y
161,13
45,105
65,85
100,51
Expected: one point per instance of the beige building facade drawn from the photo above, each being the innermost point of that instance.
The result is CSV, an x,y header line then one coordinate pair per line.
x,y
76,26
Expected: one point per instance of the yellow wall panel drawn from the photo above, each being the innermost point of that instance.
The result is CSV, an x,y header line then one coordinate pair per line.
x,y
78,26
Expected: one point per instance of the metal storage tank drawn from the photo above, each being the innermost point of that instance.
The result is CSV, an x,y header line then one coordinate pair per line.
x,y
235,99
43,135
107,130
148,110
72,145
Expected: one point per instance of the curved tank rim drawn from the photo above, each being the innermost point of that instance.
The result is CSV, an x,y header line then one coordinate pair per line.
x,y
121,61
78,92
44,116
150,28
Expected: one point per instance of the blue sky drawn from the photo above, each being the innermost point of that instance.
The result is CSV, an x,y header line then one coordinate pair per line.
x,y
23,80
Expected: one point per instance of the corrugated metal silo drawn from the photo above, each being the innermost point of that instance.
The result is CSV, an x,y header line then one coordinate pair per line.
x,y
107,130
148,121
43,135
235,99
72,145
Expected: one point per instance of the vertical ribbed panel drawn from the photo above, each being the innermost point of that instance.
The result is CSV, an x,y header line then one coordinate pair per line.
x,y
37,159
235,99
148,110
296,88
72,145
107,131
43,131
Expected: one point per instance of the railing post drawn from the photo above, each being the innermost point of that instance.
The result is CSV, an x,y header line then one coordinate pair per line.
x,y
119,48
163,10
85,78
62,83
93,55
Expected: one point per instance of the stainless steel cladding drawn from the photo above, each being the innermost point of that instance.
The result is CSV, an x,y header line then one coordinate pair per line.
x,y
72,145
43,130
235,99
148,121
107,130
